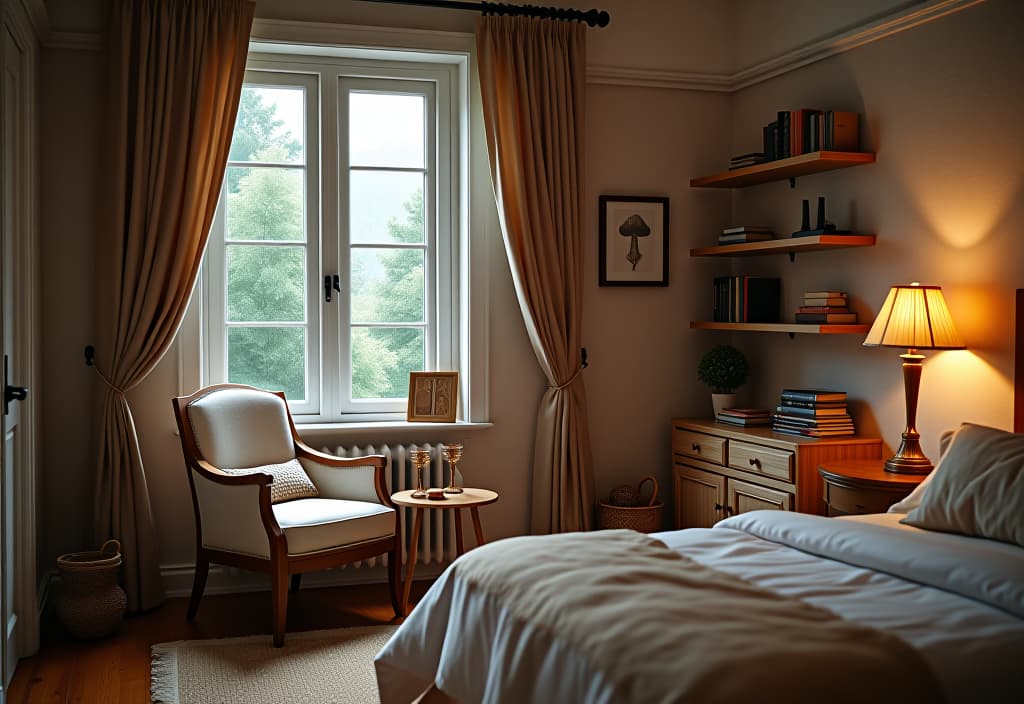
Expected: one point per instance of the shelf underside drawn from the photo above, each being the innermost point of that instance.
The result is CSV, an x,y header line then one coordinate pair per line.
x,y
790,245
781,169
791,328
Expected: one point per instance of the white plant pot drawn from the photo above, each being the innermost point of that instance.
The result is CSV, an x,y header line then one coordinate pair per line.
x,y
720,401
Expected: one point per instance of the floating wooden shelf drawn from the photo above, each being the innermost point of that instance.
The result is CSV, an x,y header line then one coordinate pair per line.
x,y
780,169
791,328
789,245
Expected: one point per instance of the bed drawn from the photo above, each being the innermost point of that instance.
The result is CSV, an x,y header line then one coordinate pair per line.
x,y
765,606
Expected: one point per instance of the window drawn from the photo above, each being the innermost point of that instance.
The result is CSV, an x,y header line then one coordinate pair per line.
x,y
333,264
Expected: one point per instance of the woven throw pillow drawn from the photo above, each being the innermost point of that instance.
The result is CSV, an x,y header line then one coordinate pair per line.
x,y
290,480
978,487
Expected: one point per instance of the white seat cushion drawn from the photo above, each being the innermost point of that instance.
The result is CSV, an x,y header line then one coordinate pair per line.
x,y
321,524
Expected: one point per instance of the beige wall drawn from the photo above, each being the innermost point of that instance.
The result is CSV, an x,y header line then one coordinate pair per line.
x,y
941,107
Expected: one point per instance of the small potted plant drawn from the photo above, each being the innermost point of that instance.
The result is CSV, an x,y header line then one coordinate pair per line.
x,y
724,369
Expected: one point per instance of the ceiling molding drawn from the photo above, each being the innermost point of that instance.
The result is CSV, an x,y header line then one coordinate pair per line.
x,y
867,33
657,78
317,33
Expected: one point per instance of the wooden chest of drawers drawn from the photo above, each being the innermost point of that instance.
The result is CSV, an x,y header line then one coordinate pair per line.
x,y
721,470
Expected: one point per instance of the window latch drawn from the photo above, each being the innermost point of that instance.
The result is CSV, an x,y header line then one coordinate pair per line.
x,y
327,289
337,283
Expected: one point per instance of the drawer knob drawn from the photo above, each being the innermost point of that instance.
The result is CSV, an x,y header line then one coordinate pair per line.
x,y
754,462
695,447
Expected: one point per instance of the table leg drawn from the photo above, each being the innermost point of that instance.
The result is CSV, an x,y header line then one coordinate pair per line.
x,y
476,525
414,542
459,547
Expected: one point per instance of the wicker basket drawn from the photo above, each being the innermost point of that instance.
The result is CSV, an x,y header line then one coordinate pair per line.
x,y
645,519
92,603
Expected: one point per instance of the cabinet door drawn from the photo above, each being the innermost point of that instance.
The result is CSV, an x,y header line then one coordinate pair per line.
x,y
700,497
744,496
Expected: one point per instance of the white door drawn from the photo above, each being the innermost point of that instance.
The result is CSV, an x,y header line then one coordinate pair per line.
x,y
18,611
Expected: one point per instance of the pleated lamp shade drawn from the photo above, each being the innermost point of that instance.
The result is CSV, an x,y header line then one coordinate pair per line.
x,y
915,317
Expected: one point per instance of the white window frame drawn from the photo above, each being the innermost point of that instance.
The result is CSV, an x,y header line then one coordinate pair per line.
x,y
449,347
214,294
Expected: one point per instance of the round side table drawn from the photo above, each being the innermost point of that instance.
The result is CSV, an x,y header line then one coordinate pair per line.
x,y
469,498
863,486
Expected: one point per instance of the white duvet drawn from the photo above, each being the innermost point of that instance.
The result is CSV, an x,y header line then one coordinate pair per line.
x,y
958,601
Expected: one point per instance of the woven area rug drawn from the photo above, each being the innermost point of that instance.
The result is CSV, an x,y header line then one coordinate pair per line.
x,y
314,667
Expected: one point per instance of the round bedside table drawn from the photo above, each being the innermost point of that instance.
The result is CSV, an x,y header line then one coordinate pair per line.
x,y
863,486
469,498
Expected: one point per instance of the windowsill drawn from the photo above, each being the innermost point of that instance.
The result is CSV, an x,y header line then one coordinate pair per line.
x,y
313,429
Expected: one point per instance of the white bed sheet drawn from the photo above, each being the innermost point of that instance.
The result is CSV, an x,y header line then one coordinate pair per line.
x,y
464,641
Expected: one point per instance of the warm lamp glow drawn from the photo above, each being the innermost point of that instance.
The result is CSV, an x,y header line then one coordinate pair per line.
x,y
915,317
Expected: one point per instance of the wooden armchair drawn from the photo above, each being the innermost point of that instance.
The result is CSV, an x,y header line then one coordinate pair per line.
x,y
265,501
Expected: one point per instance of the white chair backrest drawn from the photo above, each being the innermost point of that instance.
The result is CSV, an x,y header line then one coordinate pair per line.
x,y
237,428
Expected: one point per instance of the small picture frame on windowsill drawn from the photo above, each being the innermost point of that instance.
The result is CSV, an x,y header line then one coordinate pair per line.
x,y
633,247
433,397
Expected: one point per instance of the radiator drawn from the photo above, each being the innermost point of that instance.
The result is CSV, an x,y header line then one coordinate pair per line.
x,y
437,534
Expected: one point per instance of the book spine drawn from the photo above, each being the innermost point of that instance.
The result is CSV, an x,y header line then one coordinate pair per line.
x,y
794,403
846,131
782,135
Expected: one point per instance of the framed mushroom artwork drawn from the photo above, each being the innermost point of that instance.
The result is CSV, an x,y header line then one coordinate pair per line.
x,y
633,249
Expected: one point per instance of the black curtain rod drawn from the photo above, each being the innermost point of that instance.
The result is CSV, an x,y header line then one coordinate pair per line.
x,y
593,18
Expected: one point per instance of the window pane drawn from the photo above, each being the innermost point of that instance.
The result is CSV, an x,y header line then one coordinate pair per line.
x,y
269,125
264,203
266,284
382,359
386,129
386,206
387,286
270,358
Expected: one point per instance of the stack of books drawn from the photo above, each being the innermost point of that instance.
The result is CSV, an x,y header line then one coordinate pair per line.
x,y
825,307
747,417
746,299
813,413
808,130
738,162
745,233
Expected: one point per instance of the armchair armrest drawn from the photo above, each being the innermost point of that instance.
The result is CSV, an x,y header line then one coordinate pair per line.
x,y
234,511
353,478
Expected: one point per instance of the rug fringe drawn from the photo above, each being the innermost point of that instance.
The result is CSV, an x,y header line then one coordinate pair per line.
x,y
164,675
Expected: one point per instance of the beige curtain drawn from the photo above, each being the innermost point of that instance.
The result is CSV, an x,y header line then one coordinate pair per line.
x,y
176,69
532,84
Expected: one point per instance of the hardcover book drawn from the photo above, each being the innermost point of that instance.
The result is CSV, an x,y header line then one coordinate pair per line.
x,y
811,412
837,301
813,395
827,318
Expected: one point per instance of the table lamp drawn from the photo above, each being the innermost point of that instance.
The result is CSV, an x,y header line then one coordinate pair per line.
x,y
915,317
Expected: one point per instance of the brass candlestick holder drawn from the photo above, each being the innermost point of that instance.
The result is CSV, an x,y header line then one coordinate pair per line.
x,y
453,453
420,459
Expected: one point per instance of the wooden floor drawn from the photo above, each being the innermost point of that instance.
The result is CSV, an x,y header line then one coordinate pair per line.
x,y
115,670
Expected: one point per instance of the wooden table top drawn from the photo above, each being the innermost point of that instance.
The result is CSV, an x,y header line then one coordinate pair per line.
x,y
468,498
867,473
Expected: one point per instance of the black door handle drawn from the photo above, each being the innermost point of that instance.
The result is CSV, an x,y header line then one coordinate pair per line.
x,y
327,289
12,393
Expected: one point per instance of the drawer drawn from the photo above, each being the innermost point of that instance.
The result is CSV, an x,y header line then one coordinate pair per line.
x,y
759,459
845,500
701,446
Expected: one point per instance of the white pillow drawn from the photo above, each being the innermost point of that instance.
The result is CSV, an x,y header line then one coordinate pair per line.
x,y
290,480
978,487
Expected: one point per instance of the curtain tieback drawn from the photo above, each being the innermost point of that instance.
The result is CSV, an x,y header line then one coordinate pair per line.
x,y
116,389
579,371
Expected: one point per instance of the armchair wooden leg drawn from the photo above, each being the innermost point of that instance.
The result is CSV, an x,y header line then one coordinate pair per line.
x,y
279,593
395,577
198,585
296,581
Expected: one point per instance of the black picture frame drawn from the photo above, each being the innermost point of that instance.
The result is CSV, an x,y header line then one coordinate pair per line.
x,y
639,259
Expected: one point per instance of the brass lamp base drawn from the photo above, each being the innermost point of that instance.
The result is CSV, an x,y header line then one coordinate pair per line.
x,y
909,459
